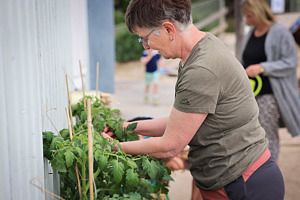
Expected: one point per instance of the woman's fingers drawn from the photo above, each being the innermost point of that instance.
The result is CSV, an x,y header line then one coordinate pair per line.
x,y
108,132
105,135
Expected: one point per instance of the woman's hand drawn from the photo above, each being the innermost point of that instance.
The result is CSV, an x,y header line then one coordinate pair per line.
x,y
253,70
108,133
105,135
109,136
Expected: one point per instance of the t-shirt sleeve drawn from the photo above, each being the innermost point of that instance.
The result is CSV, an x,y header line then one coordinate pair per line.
x,y
197,91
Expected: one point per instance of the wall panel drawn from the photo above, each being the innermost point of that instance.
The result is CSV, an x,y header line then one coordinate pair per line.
x,y
35,53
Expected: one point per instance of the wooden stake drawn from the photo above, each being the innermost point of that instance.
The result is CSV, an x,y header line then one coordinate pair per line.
x,y
47,110
90,142
84,101
50,194
69,123
76,167
69,102
78,181
97,80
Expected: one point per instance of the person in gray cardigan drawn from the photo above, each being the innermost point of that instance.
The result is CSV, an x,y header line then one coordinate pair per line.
x,y
269,51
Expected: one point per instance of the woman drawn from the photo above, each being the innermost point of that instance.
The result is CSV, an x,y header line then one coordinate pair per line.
x,y
214,111
270,52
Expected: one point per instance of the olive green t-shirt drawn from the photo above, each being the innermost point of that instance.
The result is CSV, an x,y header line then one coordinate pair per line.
x,y
231,138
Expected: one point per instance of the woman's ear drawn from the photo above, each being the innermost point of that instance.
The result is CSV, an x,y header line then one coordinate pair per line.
x,y
169,29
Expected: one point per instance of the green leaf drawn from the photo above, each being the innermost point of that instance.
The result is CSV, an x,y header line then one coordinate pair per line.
x,y
101,159
117,170
72,176
115,189
83,116
146,186
69,158
65,133
103,141
168,178
153,171
119,132
114,143
49,135
115,111
134,196
55,142
132,137
60,166
165,190
131,163
132,179
79,151
150,170
74,138
110,122
130,128
160,170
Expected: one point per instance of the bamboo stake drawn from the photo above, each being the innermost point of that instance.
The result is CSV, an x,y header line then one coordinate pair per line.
x,y
84,101
90,142
69,102
50,194
97,80
78,181
47,110
69,123
76,167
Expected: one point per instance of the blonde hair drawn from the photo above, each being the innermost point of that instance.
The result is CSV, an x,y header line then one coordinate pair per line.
x,y
260,9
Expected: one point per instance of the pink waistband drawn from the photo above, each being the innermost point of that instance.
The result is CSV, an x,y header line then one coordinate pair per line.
x,y
220,194
259,162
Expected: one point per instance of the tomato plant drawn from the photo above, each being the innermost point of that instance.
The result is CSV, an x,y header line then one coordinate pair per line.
x,y
117,175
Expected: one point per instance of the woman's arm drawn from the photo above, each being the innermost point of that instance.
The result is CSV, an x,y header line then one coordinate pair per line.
x,y
281,47
181,128
150,127
147,58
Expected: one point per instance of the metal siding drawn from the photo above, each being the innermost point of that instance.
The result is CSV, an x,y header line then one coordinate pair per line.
x,y
35,53
5,177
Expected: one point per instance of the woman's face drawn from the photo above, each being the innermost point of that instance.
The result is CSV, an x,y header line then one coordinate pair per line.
x,y
251,19
156,42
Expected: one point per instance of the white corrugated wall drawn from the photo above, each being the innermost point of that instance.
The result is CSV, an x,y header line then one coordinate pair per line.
x,y
35,53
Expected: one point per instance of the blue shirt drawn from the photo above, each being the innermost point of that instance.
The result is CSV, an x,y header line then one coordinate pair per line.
x,y
151,66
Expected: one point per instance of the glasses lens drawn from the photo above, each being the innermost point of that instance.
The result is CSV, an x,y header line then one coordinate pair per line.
x,y
143,42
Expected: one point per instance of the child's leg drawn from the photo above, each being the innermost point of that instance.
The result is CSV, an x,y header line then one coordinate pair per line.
x,y
147,89
147,86
155,87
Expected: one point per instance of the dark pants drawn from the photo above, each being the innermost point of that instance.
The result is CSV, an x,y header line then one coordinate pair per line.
x,y
266,183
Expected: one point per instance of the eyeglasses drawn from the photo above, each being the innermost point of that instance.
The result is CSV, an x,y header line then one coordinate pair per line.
x,y
144,40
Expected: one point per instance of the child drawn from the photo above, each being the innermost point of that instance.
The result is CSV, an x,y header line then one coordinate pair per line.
x,y
150,59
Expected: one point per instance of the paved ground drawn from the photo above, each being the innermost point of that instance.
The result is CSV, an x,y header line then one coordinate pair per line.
x,y
128,98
